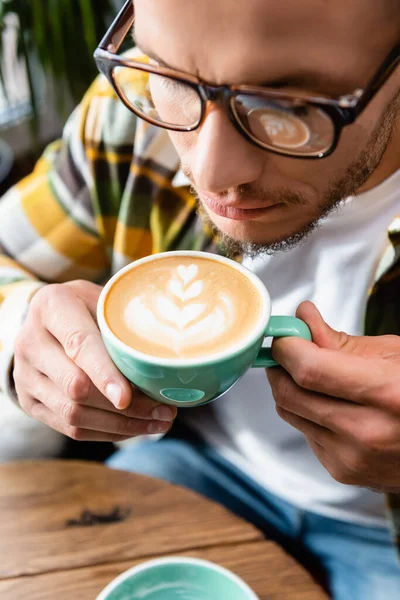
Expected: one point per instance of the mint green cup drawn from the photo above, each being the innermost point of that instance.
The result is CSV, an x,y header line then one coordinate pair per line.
x,y
194,382
177,578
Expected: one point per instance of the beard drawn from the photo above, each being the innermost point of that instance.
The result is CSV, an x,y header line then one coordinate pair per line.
x,y
234,248
355,176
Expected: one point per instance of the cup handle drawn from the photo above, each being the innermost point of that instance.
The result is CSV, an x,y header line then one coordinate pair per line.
x,y
281,327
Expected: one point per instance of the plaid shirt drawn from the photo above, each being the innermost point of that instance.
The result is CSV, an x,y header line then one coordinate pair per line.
x,y
96,201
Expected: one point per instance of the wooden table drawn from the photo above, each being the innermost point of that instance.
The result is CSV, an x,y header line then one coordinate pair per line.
x,y
51,550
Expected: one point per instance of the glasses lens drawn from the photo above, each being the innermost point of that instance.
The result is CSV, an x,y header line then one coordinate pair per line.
x,y
158,98
292,126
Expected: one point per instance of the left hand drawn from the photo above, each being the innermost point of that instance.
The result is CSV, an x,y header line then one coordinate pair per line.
x,y
343,393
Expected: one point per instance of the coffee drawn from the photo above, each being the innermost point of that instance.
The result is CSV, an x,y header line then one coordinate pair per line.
x,y
279,128
183,307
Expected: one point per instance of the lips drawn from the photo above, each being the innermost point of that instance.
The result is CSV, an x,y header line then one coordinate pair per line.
x,y
235,210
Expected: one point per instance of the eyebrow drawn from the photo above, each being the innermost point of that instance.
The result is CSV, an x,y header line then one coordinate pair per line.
x,y
282,82
150,53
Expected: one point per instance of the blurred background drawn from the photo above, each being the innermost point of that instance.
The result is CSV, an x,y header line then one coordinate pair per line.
x,y
46,65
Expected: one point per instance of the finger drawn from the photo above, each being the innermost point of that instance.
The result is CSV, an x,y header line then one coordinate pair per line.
x,y
337,415
323,335
89,292
367,428
141,406
41,413
53,364
341,462
71,323
309,429
88,417
334,373
325,457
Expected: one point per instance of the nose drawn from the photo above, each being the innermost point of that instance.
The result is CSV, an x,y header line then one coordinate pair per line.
x,y
222,157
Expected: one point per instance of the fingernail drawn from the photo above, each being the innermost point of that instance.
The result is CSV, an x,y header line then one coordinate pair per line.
x,y
158,427
162,413
114,394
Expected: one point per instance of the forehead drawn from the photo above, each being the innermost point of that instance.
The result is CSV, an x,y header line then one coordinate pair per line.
x,y
332,45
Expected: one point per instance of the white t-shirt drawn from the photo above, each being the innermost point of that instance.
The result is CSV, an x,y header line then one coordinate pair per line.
x,y
334,268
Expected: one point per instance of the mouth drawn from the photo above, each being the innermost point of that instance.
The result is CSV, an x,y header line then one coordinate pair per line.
x,y
234,211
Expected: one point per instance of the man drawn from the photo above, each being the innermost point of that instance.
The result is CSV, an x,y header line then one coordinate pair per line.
x,y
313,139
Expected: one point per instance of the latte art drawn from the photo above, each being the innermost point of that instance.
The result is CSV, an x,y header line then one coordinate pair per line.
x,y
180,307
180,314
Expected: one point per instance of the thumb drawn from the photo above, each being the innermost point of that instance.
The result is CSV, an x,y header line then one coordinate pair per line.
x,y
322,334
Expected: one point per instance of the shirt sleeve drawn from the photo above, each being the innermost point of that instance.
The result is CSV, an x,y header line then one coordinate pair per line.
x,y
52,229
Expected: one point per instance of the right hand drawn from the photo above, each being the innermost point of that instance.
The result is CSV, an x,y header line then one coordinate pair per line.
x,y
65,378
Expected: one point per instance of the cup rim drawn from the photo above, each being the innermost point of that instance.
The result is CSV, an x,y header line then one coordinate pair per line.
x,y
171,560
179,362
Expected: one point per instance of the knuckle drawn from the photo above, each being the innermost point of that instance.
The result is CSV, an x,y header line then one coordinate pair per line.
x,y
86,290
281,412
47,296
126,426
344,339
388,395
371,439
355,463
134,411
77,283
328,419
26,403
74,343
345,478
53,291
20,393
76,386
357,467
80,285
72,414
35,410
77,434
305,374
38,299
342,475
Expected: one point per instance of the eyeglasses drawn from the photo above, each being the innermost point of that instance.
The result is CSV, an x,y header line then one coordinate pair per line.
x,y
293,124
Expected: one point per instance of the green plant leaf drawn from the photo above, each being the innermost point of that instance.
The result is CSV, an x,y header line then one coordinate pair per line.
x,y
63,35
89,27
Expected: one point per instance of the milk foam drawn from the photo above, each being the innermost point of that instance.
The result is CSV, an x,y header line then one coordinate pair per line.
x,y
179,316
183,307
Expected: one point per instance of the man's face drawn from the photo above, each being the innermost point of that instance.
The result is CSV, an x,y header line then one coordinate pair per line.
x,y
252,196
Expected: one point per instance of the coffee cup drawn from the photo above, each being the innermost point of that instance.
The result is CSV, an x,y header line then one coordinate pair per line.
x,y
177,578
185,326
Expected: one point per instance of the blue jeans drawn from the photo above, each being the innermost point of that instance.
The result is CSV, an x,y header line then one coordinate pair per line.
x,y
359,562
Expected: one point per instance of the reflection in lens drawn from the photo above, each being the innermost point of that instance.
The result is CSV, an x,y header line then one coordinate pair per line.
x,y
285,124
278,128
160,98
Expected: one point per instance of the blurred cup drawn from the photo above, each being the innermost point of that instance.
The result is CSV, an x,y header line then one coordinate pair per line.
x,y
177,578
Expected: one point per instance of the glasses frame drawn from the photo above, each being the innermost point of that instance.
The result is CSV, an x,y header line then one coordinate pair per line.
x,y
343,111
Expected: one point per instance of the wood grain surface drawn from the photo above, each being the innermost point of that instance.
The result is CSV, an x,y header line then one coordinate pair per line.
x,y
47,551
271,573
